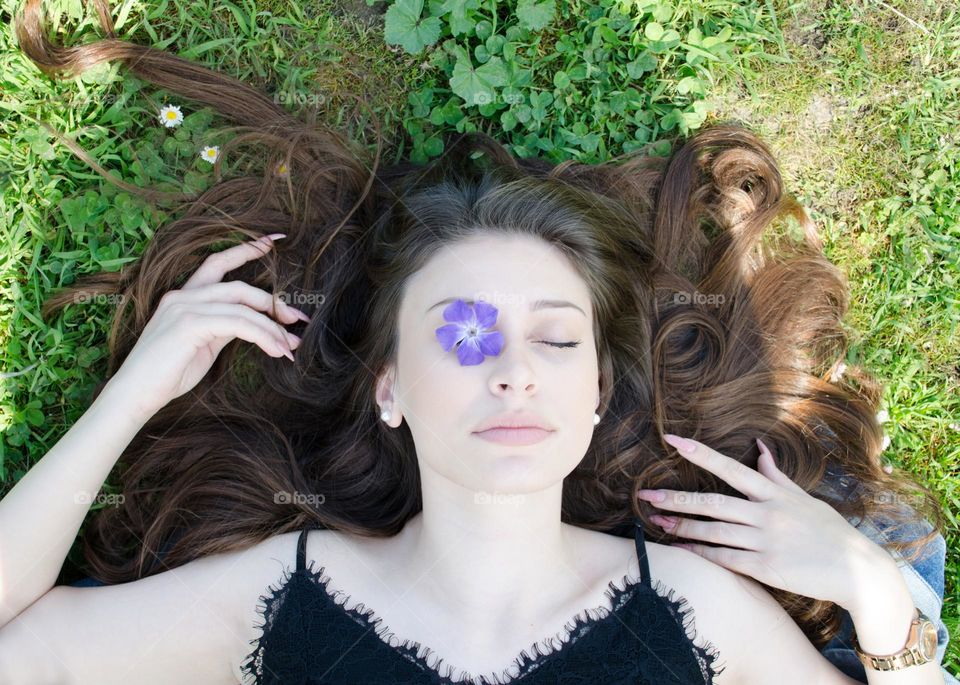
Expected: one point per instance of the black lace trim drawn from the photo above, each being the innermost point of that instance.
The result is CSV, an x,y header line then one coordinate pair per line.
x,y
267,606
525,663
682,611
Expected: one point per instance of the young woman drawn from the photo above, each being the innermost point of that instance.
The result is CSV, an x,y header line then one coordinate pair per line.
x,y
496,360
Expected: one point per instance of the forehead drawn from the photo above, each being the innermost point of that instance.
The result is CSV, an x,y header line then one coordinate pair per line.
x,y
514,273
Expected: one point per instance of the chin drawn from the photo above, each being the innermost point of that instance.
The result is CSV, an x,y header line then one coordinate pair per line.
x,y
507,471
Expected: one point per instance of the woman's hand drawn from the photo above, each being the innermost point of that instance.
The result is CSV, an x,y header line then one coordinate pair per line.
x,y
781,536
192,325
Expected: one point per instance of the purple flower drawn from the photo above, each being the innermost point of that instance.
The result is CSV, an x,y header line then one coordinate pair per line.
x,y
470,331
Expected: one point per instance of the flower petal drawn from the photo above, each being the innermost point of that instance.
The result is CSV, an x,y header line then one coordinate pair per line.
x,y
486,314
490,342
450,335
458,311
469,353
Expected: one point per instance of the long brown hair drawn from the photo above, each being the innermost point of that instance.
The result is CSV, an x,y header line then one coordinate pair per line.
x,y
717,316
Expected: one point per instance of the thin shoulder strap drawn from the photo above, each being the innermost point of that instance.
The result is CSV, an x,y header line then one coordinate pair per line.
x,y
641,551
302,549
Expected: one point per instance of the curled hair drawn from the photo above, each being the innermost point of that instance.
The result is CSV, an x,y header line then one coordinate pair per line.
x,y
716,315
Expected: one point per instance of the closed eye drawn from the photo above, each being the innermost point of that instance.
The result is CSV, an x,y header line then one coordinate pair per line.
x,y
560,344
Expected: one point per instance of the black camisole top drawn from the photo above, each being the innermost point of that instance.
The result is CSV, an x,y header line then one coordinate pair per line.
x,y
310,637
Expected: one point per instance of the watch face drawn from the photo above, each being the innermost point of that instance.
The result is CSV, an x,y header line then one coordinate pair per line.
x,y
928,640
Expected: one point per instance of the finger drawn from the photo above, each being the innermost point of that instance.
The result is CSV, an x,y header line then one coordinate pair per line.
x,y
742,478
231,327
243,293
219,263
719,532
744,562
737,560
710,504
768,467
239,311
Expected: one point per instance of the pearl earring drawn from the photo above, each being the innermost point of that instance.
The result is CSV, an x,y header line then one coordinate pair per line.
x,y
596,419
385,415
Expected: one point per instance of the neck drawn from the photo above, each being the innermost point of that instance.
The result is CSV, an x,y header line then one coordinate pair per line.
x,y
489,554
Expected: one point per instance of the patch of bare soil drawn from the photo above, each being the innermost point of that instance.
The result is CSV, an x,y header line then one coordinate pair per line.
x,y
803,28
358,9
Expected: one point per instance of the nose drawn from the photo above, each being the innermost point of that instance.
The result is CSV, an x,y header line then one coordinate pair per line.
x,y
511,370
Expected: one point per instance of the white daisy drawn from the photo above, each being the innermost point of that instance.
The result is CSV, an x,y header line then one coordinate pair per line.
x,y
886,442
170,116
838,372
883,416
282,169
210,154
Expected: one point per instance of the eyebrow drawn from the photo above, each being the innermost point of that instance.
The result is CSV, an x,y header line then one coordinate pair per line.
x,y
537,305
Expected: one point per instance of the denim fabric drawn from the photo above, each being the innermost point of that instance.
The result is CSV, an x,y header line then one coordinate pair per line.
x,y
923,577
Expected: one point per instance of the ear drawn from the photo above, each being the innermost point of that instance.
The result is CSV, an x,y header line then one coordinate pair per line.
x,y
385,397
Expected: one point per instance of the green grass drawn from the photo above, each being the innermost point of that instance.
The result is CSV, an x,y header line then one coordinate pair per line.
x,y
860,102
864,123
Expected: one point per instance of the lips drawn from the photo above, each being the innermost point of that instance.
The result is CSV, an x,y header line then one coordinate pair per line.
x,y
514,436
515,419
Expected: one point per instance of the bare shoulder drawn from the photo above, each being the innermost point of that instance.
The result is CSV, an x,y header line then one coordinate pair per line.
x,y
194,623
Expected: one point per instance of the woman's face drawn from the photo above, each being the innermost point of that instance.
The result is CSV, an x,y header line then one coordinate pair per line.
x,y
444,403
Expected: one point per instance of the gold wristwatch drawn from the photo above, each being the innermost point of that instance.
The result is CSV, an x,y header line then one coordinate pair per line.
x,y
921,647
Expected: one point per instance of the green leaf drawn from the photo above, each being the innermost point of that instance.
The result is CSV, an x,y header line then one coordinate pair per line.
x,y
653,31
420,101
535,15
671,120
451,112
690,84
433,146
34,416
483,29
488,109
131,218
460,22
436,116
477,86
642,64
195,51
404,26
512,96
494,72
495,44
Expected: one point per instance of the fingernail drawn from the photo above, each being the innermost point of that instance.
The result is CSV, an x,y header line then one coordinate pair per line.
x,y
288,355
764,449
296,338
652,495
276,236
664,521
302,316
682,444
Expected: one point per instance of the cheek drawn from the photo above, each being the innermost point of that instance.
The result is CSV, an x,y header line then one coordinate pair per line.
x,y
434,388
